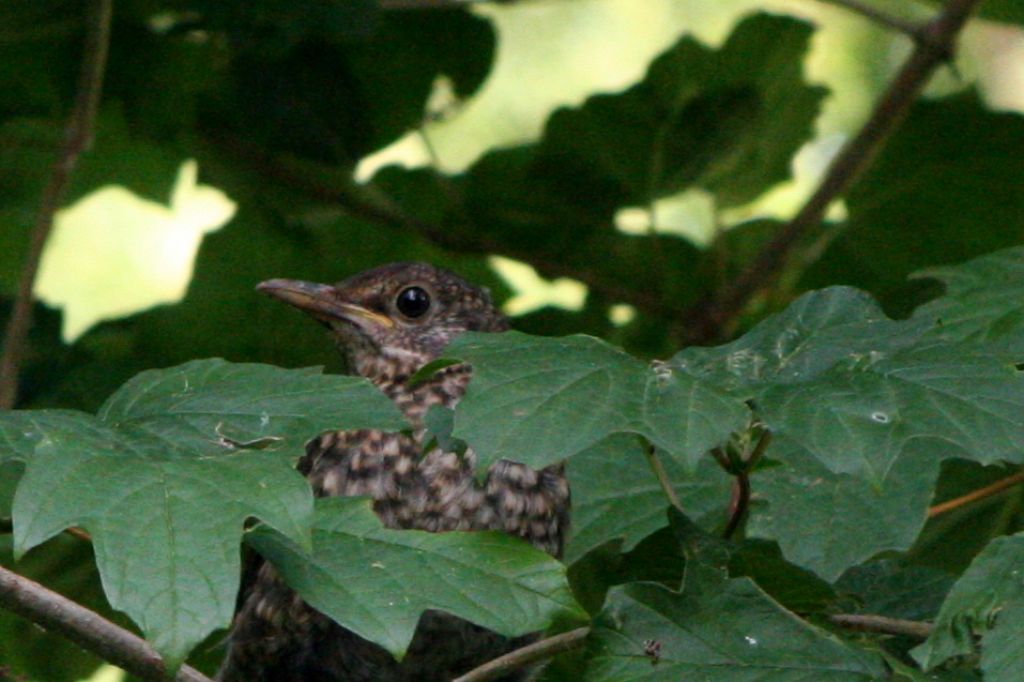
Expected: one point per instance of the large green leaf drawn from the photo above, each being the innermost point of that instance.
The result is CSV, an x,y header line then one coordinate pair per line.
x,y
540,400
857,418
817,331
988,600
377,581
617,496
864,409
733,634
852,387
167,474
828,522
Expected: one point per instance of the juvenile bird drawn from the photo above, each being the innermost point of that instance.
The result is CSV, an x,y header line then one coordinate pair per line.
x,y
390,322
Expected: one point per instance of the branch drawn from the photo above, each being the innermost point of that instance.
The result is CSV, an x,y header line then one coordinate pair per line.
x,y
77,138
86,628
531,653
659,472
975,495
368,203
883,625
707,321
909,28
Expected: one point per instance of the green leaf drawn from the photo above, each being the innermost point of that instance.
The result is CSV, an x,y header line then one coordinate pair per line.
x,y
988,600
983,302
857,417
795,588
815,332
616,495
735,634
540,400
863,409
897,589
728,120
852,387
159,481
377,581
195,406
828,522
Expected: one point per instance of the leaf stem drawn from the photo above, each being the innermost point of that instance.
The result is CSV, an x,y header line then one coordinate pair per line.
x,y
78,134
976,495
710,319
86,628
659,472
883,625
740,502
531,653
909,28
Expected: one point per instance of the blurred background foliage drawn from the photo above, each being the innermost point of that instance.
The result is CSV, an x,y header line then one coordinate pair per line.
x,y
599,164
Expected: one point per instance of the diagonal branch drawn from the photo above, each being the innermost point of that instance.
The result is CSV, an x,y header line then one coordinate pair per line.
x,y
78,138
976,495
709,320
86,628
531,653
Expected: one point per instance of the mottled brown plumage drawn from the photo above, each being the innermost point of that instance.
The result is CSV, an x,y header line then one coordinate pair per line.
x,y
389,322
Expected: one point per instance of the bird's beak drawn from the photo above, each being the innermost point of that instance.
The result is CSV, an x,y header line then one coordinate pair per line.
x,y
322,302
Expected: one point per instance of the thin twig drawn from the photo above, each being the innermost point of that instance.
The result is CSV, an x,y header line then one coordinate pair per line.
x,y
975,495
7,527
883,625
531,653
659,472
909,28
77,138
86,628
709,319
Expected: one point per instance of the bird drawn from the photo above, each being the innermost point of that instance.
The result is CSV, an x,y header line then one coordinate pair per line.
x,y
389,322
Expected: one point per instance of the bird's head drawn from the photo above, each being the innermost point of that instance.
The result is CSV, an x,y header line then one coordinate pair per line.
x,y
395,318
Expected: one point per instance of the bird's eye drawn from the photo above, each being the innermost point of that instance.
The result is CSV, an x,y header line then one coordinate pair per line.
x,y
413,302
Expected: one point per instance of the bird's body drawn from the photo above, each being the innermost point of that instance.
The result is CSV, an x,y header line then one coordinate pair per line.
x,y
390,322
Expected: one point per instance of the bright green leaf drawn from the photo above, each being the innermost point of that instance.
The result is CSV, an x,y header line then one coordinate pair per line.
x,y
163,482
377,581
735,634
540,400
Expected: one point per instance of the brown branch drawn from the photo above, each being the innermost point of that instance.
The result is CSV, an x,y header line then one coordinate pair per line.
x,y
531,653
86,628
366,202
77,138
909,28
708,320
883,625
975,495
